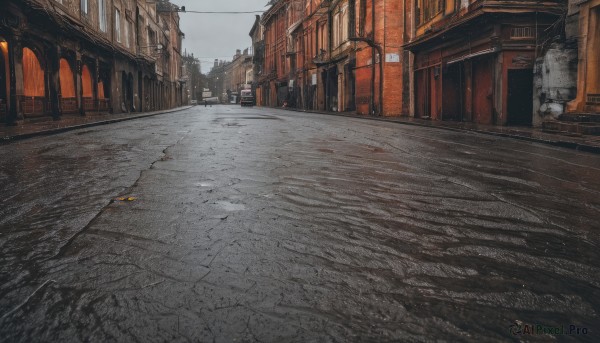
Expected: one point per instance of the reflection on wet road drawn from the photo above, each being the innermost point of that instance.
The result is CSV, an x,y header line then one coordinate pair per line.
x,y
265,225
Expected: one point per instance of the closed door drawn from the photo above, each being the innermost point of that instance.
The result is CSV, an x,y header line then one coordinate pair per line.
x,y
520,97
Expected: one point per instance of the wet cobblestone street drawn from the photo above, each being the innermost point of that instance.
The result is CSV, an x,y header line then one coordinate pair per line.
x,y
227,224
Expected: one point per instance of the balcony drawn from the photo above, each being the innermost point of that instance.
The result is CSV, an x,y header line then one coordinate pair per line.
x,y
548,6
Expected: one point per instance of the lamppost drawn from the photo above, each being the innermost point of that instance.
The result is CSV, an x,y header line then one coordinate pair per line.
x,y
158,47
216,88
174,8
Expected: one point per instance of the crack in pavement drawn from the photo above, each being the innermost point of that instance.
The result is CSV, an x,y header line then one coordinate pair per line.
x,y
63,250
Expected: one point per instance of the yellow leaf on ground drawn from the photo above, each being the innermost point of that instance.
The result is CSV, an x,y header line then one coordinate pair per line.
x,y
127,198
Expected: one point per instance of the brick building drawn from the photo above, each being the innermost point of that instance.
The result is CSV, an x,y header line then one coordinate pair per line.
x,y
474,60
382,73
463,60
311,41
586,14
216,80
193,77
64,57
331,55
238,75
273,80
258,48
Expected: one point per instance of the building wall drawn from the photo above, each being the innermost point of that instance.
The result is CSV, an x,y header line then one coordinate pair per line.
x,y
236,73
464,61
389,34
480,68
555,83
107,72
258,44
274,74
588,74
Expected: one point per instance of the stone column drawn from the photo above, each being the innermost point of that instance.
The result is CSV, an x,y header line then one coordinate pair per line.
x,y
54,78
13,44
79,84
468,101
95,81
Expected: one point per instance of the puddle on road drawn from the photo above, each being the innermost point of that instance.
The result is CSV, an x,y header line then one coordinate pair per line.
x,y
228,206
203,184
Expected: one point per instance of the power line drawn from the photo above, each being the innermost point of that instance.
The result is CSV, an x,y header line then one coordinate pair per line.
x,y
224,12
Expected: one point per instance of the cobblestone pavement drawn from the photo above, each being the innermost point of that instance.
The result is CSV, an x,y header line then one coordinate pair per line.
x,y
233,224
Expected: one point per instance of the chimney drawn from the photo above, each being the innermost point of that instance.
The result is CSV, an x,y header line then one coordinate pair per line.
x,y
216,62
246,52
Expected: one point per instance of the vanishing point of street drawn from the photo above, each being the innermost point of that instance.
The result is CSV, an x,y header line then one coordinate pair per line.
x,y
225,224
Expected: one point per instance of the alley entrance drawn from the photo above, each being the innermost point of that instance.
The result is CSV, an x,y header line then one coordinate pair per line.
x,y
330,83
453,90
520,93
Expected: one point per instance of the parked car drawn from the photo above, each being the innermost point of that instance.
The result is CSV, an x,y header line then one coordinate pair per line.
x,y
193,102
247,98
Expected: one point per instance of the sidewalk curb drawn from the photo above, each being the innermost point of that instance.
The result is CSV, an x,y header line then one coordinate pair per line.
x,y
53,131
558,143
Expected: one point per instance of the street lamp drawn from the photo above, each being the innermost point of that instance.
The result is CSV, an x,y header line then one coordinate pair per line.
x,y
158,47
173,9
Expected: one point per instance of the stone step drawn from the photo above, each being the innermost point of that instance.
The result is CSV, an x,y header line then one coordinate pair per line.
x,y
578,128
562,133
580,117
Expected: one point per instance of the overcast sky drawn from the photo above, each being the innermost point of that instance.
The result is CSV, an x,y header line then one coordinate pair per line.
x,y
211,36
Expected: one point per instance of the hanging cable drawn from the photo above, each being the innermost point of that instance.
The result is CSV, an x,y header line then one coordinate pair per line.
x,y
224,12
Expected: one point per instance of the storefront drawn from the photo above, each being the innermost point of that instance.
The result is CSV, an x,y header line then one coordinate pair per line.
x,y
479,72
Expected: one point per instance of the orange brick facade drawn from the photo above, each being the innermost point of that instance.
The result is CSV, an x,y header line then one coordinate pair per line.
x,y
327,55
474,61
390,35
463,60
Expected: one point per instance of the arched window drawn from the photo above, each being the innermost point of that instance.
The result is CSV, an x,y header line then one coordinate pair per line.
x,y
101,90
86,80
33,74
67,83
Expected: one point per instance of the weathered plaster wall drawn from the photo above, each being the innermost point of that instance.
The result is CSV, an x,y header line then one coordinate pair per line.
x,y
555,82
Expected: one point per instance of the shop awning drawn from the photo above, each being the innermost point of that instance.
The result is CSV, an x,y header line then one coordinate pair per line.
x,y
332,60
471,55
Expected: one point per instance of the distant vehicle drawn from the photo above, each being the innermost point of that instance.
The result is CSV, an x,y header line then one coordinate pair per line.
x,y
194,102
212,100
247,98
233,98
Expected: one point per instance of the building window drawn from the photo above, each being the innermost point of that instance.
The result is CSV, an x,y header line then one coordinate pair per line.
x,y
522,33
362,15
67,81
84,6
340,27
102,14
151,40
118,25
428,9
322,43
127,33
33,75
344,25
336,31
86,82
